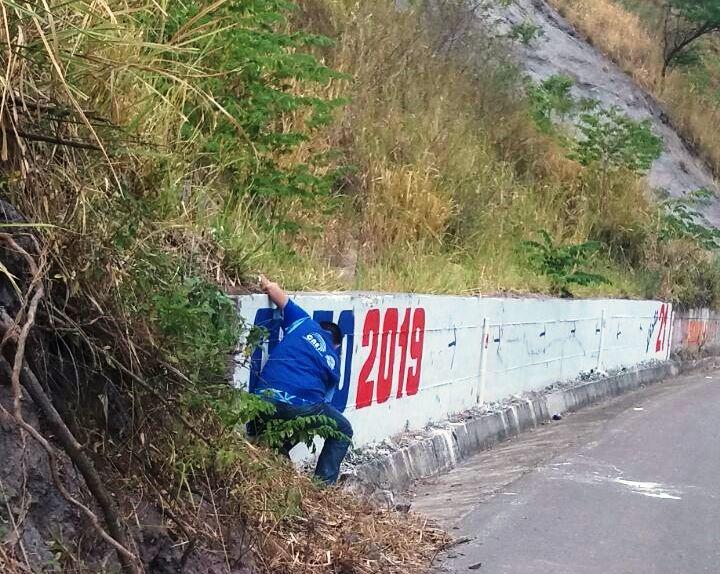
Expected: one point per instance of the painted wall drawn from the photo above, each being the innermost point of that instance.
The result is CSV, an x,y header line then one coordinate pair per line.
x,y
695,331
411,359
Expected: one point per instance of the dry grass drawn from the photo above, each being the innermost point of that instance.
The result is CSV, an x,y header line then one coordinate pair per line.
x,y
620,34
234,497
329,531
449,174
446,161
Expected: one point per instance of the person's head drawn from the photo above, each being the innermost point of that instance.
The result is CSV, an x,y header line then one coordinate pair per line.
x,y
334,330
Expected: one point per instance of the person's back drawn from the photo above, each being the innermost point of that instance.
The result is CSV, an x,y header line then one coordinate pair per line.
x,y
301,374
304,365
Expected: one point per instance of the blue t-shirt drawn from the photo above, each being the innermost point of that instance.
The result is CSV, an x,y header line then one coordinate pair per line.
x,y
304,367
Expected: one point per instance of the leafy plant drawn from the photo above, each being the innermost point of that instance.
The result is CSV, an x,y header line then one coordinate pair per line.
x,y
681,220
551,99
563,265
614,140
278,433
257,65
198,323
525,32
236,407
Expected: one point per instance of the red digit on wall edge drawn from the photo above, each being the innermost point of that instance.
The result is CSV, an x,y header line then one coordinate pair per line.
x,y
366,386
387,355
417,339
660,342
403,344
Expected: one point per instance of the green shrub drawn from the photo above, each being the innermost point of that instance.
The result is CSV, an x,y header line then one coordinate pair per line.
x,y
563,265
681,220
615,141
551,100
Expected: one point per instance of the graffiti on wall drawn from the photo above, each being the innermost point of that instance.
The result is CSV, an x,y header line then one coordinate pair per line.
x,y
658,329
396,367
696,330
394,340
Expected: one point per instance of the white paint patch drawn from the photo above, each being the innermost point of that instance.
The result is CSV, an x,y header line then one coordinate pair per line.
x,y
447,436
586,470
638,409
651,489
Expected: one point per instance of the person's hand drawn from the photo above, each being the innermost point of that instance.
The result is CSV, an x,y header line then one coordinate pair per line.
x,y
267,285
273,290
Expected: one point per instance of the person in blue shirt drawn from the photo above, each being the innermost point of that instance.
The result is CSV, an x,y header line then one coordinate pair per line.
x,y
301,374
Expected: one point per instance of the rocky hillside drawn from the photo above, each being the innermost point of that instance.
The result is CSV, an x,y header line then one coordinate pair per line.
x,y
558,48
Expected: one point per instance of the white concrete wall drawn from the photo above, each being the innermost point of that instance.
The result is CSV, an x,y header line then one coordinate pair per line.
x,y
411,359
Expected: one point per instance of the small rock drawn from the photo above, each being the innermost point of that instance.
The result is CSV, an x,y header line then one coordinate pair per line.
x,y
351,537
557,417
475,566
460,541
382,498
402,504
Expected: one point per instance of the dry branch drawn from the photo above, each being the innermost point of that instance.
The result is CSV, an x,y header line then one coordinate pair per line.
x,y
21,375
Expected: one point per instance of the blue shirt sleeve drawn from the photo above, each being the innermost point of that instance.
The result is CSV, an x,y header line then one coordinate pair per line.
x,y
292,313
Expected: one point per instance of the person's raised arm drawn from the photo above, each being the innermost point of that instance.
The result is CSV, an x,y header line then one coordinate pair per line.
x,y
290,311
274,291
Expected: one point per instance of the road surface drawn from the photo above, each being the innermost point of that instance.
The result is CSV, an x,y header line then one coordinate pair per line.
x,y
627,487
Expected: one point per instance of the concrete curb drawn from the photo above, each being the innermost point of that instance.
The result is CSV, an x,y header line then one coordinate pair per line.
x,y
446,447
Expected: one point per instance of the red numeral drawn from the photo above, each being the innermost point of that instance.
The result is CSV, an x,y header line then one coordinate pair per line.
x,y
660,342
410,341
417,340
404,336
366,386
387,355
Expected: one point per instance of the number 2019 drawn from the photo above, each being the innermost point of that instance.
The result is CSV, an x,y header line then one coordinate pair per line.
x,y
391,339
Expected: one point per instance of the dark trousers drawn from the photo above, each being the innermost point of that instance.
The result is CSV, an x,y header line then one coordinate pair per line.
x,y
334,450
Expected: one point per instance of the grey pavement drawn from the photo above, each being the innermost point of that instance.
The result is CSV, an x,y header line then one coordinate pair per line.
x,y
627,487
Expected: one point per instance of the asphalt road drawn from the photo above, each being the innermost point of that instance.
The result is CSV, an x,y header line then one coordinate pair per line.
x,y
631,486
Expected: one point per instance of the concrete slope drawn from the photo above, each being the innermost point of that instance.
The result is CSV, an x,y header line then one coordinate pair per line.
x,y
562,50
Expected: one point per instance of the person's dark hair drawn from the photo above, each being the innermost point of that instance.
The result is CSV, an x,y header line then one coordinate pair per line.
x,y
334,330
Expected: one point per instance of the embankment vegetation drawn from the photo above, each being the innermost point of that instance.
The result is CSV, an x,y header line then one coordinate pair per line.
x,y
160,153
